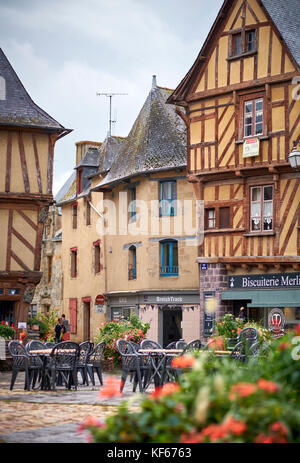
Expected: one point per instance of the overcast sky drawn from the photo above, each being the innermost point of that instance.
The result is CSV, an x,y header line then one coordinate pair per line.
x,y
65,51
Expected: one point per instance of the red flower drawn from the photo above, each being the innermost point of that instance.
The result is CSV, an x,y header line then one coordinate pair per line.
x,y
234,426
267,386
110,389
183,361
279,427
242,390
297,329
191,438
167,389
283,346
215,432
90,421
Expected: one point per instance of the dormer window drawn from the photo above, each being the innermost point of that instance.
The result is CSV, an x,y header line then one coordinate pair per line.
x,y
242,43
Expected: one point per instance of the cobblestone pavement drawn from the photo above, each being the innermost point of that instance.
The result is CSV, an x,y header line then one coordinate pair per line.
x,y
51,416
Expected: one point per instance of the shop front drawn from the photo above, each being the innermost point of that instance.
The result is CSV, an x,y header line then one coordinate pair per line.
x,y
261,293
172,315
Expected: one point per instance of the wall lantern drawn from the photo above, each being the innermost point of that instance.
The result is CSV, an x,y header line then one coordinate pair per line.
x,y
294,156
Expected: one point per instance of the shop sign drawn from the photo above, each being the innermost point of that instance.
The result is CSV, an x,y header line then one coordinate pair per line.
x,y
264,281
251,147
122,300
167,299
276,320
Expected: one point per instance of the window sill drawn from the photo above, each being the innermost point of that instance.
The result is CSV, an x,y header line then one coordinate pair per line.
x,y
265,233
261,138
242,55
169,275
224,230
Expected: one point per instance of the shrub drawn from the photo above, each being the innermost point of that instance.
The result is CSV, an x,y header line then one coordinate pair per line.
x,y
7,331
133,330
216,400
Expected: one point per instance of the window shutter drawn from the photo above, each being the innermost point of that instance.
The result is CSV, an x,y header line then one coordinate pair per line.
x,y
73,315
224,217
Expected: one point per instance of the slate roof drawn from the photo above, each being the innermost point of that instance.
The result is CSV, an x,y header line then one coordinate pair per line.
x,y
286,16
157,140
90,159
67,191
17,108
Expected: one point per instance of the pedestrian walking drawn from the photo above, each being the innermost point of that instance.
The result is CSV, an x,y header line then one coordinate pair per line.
x,y
66,334
59,330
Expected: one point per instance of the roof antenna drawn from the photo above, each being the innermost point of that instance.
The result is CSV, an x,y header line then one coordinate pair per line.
x,y
110,95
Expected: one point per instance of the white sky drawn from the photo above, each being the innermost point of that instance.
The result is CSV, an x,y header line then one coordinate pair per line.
x,y
65,51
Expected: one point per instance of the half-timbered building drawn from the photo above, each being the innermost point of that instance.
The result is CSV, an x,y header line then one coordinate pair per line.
x,y
27,138
242,110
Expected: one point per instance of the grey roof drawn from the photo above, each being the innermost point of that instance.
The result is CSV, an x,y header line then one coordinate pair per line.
x,y
285,14
108,151
90,159
156,141
16,106
68,190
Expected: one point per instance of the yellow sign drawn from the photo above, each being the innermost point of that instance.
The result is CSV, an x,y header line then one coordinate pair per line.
x,y
251,147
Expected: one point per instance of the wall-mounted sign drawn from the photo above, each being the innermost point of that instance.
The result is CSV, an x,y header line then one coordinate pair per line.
x,y
100,308
204,266
166,299
12,292
276,320
264,281
22,325
251,147
100,299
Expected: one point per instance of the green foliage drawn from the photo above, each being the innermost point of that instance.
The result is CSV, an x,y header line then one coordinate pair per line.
x,y
131,330
46,323
217,400
7,331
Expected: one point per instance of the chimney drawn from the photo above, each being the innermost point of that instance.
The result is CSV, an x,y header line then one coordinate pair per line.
x,y
82,148
154,84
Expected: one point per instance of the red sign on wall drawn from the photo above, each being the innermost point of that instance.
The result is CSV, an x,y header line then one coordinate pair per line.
x,y
100,299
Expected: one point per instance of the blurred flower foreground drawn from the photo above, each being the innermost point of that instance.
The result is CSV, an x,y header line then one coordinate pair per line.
x,y
216,399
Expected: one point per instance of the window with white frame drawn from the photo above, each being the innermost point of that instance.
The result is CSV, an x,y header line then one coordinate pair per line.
x,y
261,208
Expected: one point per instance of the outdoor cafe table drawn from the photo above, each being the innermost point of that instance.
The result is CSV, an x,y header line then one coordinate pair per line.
x,y
158,361
45,354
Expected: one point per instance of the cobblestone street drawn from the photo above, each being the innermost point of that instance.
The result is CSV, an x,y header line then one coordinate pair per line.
x,y
48,416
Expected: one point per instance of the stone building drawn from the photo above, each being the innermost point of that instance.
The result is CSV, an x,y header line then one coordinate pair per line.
x,y
243,119
124,235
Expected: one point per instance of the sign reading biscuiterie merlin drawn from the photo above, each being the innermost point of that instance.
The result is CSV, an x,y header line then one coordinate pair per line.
x,y
264,281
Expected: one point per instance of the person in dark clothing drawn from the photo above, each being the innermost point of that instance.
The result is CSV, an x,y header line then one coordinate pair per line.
x,y
65,322
59,330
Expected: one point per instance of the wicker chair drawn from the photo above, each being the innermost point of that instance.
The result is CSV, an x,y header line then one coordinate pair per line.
x,y
148,344
34,345
49,344
172,345
22,361
64,363
191,346
239,352
181,344
132,362
86,348
248,335
94,362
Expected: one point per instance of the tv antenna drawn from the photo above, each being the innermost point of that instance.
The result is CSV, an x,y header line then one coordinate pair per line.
x,y
110,95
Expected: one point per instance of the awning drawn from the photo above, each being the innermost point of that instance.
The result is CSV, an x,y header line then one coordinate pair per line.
x,y
265,298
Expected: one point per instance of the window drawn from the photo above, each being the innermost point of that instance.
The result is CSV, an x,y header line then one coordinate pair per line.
x,y
132,206
88,212
210,218
168,197
217,218
49,268
169,258
118,313
97,263
74,216
253,117
132,263
243,42
261,208
73,262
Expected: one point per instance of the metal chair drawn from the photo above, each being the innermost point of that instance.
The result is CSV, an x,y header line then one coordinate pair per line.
x,y
34,345
181,344
86,348
135,345
94,362
22,361
248,335
64,363
132,363
49,344
148,344
239,352
191,346
172,345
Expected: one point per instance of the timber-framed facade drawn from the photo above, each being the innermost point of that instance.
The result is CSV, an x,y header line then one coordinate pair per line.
x,y
241,91
27,139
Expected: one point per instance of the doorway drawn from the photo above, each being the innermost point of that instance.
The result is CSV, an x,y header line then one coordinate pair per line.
x,y
7,311
172,330
86,320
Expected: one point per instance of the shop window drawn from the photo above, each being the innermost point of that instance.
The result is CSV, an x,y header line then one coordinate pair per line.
x,y
49,268
121,313
73,262
74,216
132,263
168,198
261,208
169,258
97,262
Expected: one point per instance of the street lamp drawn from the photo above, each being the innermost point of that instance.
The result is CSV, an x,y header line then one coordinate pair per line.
x,y
294,156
